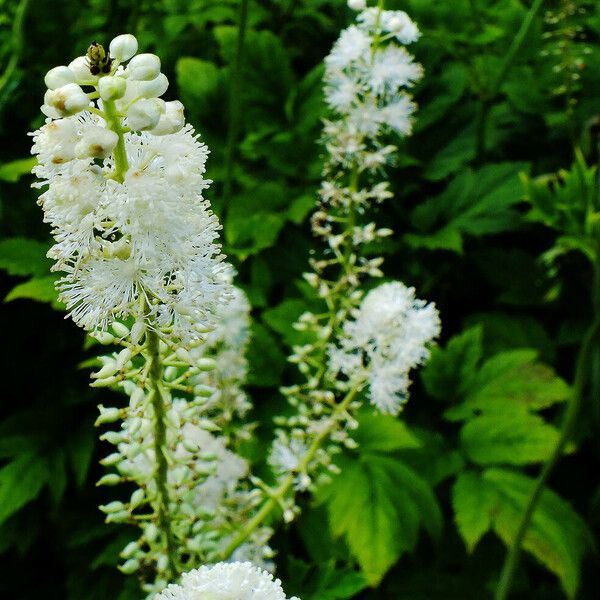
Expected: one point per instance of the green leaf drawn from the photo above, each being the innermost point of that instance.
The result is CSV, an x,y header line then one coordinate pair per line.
x,y
265,357
41,289
558,537
22,256
450,370
282,317
473,505
14,170
378,504
475,203
514,438
383,433
511,381
21,481
199,82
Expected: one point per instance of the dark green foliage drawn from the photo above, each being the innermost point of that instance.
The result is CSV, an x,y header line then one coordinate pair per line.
x,y
496,219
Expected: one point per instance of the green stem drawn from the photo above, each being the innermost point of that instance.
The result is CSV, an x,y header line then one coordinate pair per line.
x,y
113,121
235,101
280,492
155,376
581,375
17,43
487,99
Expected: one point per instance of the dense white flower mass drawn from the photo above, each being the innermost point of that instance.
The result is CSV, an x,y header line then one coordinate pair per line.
x,y
124,177
388,336
226,581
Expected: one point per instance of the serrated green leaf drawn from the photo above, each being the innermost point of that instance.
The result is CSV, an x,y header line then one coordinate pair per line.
x,y
22,256
473,506
378,505
21,481
514,438
512,381
558,537
450,370
475,203
383,433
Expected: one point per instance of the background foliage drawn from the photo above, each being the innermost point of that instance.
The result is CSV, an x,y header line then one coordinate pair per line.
x,y
495,213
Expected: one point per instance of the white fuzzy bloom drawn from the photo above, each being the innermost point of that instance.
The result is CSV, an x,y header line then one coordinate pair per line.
x,y
396,22
352,45
123,47
389,335
357,4
226,581
96,142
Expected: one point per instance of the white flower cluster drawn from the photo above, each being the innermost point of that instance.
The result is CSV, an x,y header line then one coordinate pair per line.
x,y
366,77
231,581
134,236
388,337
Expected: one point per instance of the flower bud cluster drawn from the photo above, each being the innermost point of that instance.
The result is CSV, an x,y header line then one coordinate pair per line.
x,y
124,177
207,483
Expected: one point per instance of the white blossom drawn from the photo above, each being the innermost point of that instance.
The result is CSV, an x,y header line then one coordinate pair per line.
x,y
226,581
389,335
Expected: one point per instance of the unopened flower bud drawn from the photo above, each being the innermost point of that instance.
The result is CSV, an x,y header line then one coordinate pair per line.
x,y
145,114
153,88
96,142
111,507
172,121
144,67
137,332
109,479
131,566
357,4
206,364
58,77
66,100
204,391
107,415
120,329
123,47
81,69
111,87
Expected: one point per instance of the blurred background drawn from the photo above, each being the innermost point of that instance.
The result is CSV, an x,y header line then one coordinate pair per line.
x,y
495,219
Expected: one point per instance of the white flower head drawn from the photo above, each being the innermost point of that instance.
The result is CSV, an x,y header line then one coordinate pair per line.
x,y
389,335
226,581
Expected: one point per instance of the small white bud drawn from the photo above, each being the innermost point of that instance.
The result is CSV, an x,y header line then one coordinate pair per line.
x,y
206,364
145,114
183,355
103,337
123,358
120,329
131,566
107,415
204,391
137,498
123,47
96,142
81,69
111,459
110,368
110,479
357,4
172,121
112,507
170,373
111,87
129,550
395,24
58,77
104,382
144,67
67,100
137,332
154,88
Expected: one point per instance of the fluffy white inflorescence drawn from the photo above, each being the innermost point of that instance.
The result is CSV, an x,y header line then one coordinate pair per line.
x,y
366,77
134,236
388,336
226,581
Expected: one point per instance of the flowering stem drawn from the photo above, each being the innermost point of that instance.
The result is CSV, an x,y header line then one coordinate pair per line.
x,y
488,97
234,100
113,121
280,492
581,373
160,439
